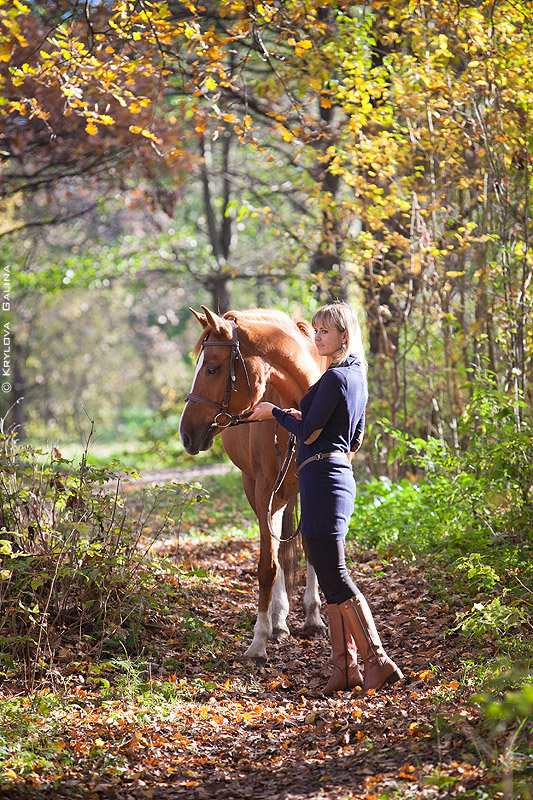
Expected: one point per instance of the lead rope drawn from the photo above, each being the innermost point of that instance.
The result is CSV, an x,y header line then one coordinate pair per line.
x,y
283,469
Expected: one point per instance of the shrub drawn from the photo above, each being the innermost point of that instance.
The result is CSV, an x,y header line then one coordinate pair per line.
x,y
508,726
75,564
472,511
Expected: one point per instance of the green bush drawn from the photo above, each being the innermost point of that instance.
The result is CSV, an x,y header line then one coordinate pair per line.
x,y
470,509
507,723
75,563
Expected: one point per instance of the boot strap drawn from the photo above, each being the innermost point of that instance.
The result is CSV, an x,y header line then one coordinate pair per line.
x,y
375,658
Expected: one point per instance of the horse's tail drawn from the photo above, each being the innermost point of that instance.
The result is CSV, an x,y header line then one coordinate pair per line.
x,y
290,550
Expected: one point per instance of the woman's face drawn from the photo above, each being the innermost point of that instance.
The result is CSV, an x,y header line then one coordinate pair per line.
x,y
328,341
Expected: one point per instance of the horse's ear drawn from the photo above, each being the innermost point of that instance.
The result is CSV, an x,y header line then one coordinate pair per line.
x,y
202,319
218,324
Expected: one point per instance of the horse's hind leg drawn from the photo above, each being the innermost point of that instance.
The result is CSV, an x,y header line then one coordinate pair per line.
x,y
313,625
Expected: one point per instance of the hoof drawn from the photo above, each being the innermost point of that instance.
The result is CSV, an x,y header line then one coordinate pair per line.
x,y
314,631
257,656
259,661
280,634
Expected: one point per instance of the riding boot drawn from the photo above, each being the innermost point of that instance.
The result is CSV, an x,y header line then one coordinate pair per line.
x,y
379,668
346,673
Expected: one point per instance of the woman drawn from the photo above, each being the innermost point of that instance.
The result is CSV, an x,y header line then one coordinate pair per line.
x,y
329,426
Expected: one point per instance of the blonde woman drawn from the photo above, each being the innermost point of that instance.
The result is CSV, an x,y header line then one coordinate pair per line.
x,y
329,426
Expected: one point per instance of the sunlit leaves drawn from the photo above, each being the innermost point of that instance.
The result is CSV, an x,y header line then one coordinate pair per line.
x,y
11,34
94,71
301,46
436,119
423,109
97,64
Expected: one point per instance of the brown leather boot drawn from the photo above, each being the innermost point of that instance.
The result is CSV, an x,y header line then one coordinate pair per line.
x,y
379,668
346,674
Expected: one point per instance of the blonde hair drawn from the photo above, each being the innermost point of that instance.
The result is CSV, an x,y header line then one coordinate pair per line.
x,y
342,317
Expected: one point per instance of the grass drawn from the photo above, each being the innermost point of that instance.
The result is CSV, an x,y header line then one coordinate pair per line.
x,y
88,725
132,453
224,514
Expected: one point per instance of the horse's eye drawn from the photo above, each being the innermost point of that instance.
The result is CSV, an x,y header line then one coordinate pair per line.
x,y
212,370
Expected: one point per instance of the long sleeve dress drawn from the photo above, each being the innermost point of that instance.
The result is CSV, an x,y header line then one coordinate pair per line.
x,y
336,403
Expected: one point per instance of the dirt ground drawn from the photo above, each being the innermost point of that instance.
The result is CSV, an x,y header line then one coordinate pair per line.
x,y
238,730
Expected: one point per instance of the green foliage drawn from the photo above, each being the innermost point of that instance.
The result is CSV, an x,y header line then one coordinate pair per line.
x,y
198,632
485,618
507,715
472,513
226,513
159,442
74,561
29,741
513,705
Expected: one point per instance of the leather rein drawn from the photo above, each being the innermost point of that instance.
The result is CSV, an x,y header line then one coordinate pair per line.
x,y
222,409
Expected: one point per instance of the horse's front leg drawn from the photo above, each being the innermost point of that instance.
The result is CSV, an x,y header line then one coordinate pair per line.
x,y
270,606
279,608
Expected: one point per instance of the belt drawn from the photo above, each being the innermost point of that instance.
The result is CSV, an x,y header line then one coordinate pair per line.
x,y
319,457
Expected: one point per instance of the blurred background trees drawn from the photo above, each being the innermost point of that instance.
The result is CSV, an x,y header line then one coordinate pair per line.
x,y
160,155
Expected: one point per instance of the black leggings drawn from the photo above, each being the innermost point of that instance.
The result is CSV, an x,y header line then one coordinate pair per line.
x,y
328,557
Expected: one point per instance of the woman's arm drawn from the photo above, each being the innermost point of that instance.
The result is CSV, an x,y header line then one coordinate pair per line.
x,y
264,411
357,440
322,407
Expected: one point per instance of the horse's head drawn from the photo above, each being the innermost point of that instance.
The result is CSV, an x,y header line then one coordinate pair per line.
x,y
224,384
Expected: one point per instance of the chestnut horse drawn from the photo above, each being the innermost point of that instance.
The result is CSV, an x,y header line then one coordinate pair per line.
x,y
246,356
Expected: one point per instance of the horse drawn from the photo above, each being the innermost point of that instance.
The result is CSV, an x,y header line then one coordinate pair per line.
x,y
244,357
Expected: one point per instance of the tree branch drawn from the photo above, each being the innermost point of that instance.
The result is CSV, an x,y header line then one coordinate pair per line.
x,y
41,223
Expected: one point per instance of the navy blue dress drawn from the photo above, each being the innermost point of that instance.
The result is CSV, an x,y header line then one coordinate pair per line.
x,y
336,403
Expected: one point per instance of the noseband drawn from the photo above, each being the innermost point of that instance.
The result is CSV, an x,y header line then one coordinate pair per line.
x,y
223,407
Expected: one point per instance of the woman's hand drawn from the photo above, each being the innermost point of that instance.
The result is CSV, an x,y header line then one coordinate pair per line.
x,y
294,412
261,411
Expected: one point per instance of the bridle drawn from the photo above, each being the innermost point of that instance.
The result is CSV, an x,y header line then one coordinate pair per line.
x,y
242,418
223,407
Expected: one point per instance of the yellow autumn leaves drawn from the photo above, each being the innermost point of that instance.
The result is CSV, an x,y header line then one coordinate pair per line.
x,y
300,47
11,33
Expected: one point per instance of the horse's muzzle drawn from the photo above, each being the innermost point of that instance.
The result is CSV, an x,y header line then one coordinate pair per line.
x,y
198,439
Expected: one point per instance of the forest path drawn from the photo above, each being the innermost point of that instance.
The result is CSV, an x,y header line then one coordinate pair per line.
x,y
191,719
175,474
260,732
263,734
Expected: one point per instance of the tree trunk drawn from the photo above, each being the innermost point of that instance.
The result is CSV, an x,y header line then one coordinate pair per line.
x,y
220,230
219,286
328,258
